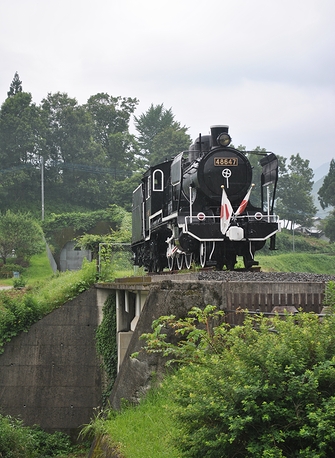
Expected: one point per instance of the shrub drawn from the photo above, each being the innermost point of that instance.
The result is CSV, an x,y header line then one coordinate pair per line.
x,y
19,282
263,389
15,441
6,270
19,441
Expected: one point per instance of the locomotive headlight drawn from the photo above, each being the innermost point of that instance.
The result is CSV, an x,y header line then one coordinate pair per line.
x,y
224,139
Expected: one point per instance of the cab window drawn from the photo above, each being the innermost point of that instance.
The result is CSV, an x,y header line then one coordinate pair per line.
x,y
158,180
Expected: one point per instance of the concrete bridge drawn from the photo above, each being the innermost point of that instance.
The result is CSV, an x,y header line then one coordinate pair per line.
x,y
266,297
52,376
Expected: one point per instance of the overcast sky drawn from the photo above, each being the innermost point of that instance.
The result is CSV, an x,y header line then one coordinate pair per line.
x,y
264,67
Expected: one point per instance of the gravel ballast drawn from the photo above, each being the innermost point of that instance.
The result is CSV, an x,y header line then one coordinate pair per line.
x,y
273,277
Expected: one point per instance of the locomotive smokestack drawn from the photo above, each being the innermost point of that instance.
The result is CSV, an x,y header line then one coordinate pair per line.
x,y
216,131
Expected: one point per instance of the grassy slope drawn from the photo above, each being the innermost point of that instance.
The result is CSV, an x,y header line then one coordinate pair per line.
x,y
142,431
38,270
298,262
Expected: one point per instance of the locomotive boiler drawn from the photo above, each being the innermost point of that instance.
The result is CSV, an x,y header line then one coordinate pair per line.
x,y
207,206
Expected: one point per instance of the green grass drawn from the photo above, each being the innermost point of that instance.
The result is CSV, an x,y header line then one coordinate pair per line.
x,y
38,270
298,262
61,287
142,431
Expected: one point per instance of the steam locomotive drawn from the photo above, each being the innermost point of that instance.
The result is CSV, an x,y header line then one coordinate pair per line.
x,y
204,207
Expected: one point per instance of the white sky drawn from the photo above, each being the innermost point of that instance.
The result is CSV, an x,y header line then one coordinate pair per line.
x,y
264,67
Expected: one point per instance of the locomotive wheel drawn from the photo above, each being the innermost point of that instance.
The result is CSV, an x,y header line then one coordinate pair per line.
x,y
156,265
203,254
170,260
219,264
180,261
188,260
249,262
231,261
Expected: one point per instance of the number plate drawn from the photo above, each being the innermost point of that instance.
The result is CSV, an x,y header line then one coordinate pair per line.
x,y
226,161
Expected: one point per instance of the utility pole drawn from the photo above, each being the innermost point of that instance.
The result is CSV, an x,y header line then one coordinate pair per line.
x,y
293,245
42,185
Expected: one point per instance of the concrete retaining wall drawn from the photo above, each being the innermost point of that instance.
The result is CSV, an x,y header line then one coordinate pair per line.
x,y
51,375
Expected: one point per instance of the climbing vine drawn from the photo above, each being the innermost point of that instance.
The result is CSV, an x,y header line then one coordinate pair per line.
x,y
106,343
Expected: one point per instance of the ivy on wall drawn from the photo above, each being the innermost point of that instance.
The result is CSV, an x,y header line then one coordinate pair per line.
x,y
106,343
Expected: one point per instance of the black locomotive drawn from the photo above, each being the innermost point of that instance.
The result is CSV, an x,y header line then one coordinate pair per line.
x,y
201,207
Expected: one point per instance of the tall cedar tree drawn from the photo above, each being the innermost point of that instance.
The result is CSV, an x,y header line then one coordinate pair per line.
x,y
327,199
16,86
295,201
327,191
160,136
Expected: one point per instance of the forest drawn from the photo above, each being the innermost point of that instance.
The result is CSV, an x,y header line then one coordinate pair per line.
x,y
60,156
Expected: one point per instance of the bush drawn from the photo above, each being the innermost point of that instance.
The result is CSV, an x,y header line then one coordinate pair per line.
x,y
19,282
15,441
263,389
6,270
19,441
83,221
21,234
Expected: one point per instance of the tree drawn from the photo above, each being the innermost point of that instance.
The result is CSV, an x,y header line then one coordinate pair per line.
x,y
121,155
19,234
160,136
15,87
168,143
110,115
122,191
295,201
326,196
328,226
21,130
88,147
21,144
74,163
69,128
327,191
